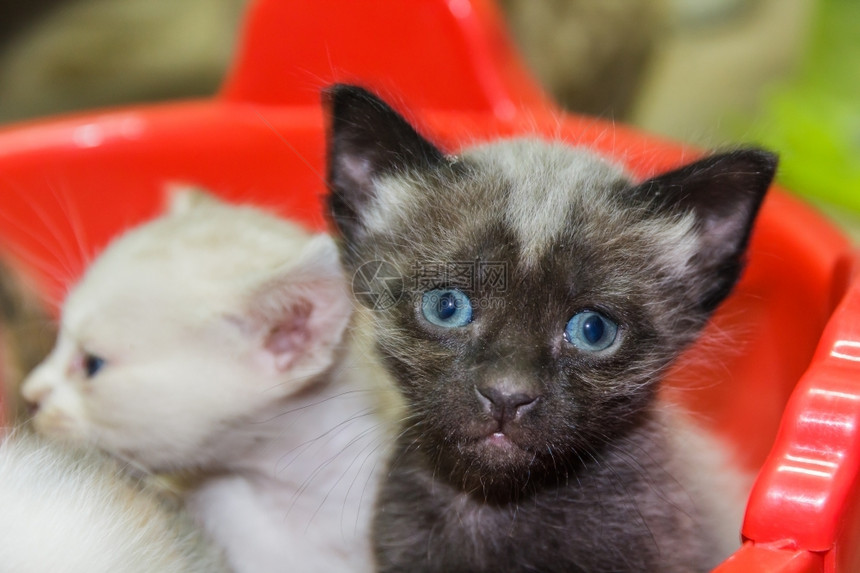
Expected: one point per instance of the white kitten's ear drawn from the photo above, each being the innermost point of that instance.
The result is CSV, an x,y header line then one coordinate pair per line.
x,y
182,198
300,312
367,139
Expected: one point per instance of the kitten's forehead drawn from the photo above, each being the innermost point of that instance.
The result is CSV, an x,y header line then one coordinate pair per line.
x,y
181,266
120,304
546,185
534,208
525,194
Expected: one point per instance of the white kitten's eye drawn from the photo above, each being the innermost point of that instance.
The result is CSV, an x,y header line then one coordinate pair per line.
x,y
591,331
92,364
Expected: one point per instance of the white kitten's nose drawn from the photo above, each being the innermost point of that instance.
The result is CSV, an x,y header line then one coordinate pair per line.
x,y
35,389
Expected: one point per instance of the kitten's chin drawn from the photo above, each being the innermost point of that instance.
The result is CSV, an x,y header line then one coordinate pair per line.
x,y
501,452
498,461
485,460
58,426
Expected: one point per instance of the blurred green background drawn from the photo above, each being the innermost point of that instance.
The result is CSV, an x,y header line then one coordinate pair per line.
x,y
813,118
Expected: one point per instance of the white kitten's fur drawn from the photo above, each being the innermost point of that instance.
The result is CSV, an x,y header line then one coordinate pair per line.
x,y
221,328
75,512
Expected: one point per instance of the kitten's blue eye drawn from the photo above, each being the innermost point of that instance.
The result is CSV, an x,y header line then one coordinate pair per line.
x,y
92,364
447,307
591,331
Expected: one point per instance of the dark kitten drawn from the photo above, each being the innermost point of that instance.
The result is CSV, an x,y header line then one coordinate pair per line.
x,y
541,297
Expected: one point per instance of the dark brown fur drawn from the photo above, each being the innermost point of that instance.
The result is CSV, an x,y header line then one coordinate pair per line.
x,y
583,480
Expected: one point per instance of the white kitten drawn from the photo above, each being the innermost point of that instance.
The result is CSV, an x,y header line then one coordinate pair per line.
x,y
76,512
209,342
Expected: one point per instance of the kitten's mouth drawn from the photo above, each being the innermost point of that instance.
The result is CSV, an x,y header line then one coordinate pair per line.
x,y
494,438
501,451
500,440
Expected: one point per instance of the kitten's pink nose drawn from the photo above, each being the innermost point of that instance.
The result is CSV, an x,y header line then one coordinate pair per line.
x,y
504,403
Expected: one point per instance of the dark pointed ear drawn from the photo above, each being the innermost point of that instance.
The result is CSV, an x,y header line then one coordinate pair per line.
x,y
366,139
724,193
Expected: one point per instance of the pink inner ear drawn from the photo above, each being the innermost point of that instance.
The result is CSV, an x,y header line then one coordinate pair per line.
x,y
290,336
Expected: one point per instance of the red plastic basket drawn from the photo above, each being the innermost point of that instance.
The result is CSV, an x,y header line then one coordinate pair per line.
x,y
787,396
